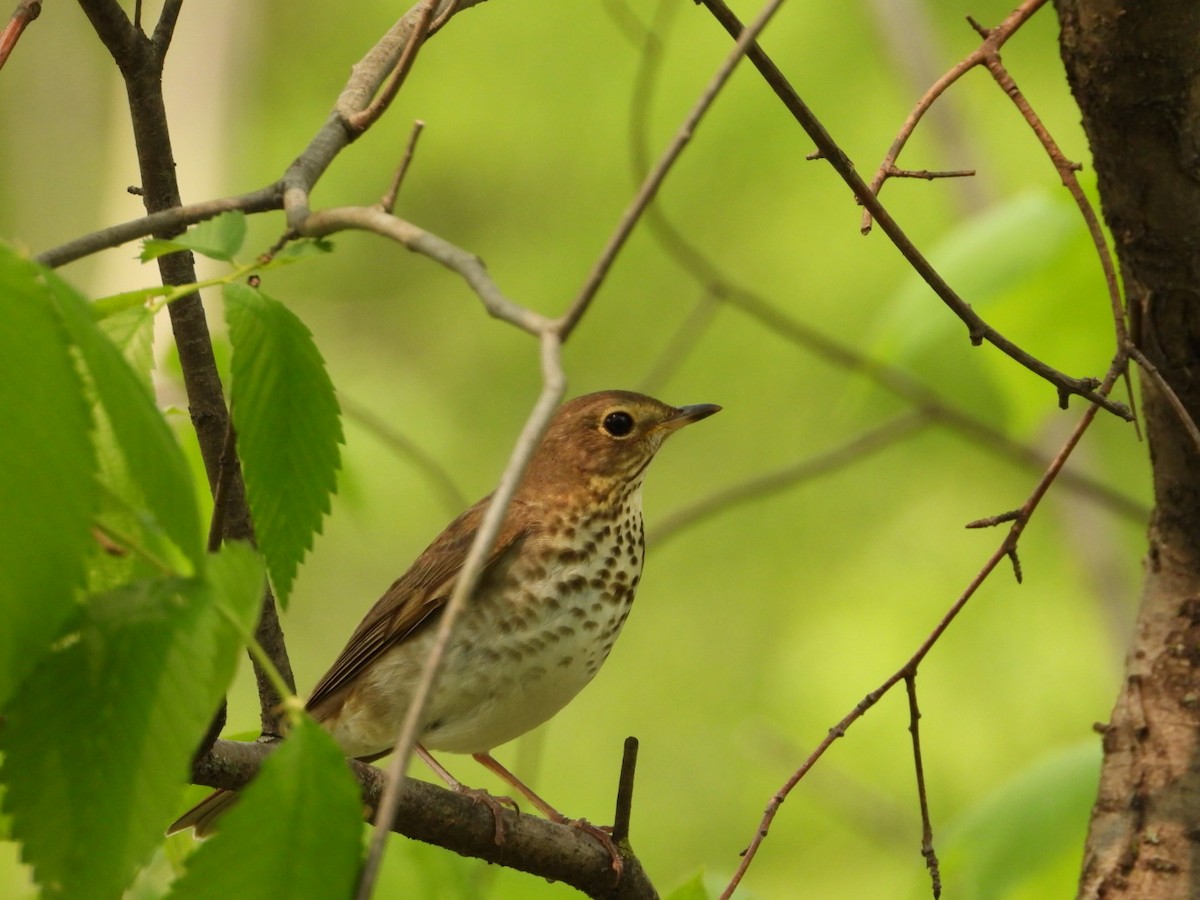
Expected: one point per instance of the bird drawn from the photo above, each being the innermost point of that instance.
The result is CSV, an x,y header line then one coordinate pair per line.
x,y
552,598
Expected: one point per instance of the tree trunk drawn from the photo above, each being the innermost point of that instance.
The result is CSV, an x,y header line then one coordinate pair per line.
x,y
1134,67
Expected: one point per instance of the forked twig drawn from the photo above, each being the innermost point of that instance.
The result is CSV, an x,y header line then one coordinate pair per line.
x,y
993,40
1006,549
978,330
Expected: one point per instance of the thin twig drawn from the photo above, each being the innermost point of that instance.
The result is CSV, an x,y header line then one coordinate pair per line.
x,y
929,175
978,330
927,851
624,810
992,521
173,220
388,202
1005,550
721,288
1066,172
654,178
995,38
853,451
466,264
23,15
987,55
164,30
1181,411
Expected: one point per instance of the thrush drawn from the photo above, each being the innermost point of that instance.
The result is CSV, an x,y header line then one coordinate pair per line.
x,y
552,598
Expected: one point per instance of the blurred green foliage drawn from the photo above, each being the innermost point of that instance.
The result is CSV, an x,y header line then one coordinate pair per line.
x,y
757,630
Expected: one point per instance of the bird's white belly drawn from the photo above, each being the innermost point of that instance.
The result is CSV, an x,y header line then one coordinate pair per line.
x,y
550,651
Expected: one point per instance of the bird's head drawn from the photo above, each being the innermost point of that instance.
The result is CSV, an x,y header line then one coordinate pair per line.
x,y
604,441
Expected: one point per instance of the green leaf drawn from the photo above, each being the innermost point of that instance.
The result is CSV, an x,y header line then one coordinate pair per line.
x,y
296,831
1038,818
132,332
47,488
217,238
300,250
150,450
288,428
98,741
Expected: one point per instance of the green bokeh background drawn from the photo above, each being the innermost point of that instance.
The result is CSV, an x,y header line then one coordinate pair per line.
x,y
758,629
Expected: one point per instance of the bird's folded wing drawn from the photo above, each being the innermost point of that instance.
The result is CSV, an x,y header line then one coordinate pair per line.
x,y
411,602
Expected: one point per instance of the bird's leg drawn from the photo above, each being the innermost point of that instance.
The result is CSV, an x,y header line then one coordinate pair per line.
x,y
601,834
479,795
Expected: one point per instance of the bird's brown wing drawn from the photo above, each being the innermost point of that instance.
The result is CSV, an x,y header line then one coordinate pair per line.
x,y
415,596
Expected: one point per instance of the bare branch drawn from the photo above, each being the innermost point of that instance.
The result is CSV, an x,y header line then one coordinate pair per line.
x,y
23,15
1006,550
1181,412
388,202
927,851
435,815
468,265
851,452
173,221
165,29
655,177
995,39
979,330
624,810
140,64
362,119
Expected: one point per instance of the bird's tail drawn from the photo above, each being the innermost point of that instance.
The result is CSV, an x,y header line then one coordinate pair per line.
x,y
203,816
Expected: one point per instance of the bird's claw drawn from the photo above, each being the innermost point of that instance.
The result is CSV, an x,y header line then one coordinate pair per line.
x,y
492,802
603,834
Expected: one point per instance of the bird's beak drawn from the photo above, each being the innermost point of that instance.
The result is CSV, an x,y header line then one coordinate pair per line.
x,y
686,415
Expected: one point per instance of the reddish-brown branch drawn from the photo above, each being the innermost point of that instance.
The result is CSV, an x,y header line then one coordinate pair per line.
x,y
388,202
927,851
987,56
1007,549
978,329
993,40
23,15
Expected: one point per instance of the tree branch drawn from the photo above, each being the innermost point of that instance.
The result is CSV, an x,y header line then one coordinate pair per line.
x,y
438,816
23,15
140,63
1006,550
978,329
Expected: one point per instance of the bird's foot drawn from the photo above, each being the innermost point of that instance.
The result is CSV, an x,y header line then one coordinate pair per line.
x,y
492,802
603,834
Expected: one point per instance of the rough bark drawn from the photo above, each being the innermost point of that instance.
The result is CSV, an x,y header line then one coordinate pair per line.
x,y
1134,67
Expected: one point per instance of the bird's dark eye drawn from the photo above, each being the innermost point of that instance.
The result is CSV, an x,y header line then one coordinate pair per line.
x,y
618,424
